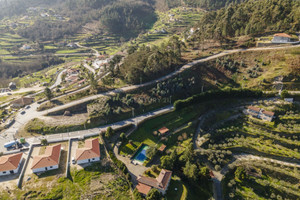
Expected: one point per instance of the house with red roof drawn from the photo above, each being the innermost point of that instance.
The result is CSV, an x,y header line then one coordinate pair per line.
x,y
260,113
163,130
90,152
282,38
145,184
48,161
10,164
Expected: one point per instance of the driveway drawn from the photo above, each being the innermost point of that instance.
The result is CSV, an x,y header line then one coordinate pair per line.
x,y
134,170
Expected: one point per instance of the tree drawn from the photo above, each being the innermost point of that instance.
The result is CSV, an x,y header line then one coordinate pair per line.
x,y
93,82
153,194
190,171
109,132
188,153
123,137
284,94
151,151
48,93
137,195
44,142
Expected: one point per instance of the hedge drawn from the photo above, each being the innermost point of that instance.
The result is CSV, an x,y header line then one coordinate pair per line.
x,y
210,95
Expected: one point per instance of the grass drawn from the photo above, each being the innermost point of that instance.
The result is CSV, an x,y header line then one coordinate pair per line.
x,y
177,190
144,134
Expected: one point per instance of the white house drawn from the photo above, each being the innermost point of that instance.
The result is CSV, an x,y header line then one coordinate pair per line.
x,y
48,161
90,152
145,184
10,164
260,113
281,38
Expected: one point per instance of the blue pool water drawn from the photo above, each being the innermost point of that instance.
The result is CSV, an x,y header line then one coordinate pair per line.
x,y
141,154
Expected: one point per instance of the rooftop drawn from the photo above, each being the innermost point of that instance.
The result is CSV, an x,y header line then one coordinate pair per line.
x,y
10,162
282,35
257,109
90,150
160,182
269,113
163,130
50,158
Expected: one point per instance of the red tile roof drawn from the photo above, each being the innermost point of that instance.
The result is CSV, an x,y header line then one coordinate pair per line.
x,y
91,150
163,178
162,148
10,162
50,158
282,35
160,182
257,109
163,130
142,188
269,113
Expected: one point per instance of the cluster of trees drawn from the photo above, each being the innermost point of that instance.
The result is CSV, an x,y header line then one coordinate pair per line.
x,y
251,18
205,4
185,162
128,18
212,94
148,63
12,70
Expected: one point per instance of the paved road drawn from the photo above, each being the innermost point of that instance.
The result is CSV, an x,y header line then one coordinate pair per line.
x,y
32,113
97,54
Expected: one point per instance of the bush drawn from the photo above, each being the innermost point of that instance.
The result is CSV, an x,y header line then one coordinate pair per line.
x,y
226,93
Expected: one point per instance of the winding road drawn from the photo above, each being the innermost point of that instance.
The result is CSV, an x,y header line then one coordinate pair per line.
x,y
31,113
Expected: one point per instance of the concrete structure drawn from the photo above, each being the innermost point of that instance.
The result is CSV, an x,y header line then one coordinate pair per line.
x,y
145,184
281,38
24,101
10,164
48,161
90,152
290,100
260,113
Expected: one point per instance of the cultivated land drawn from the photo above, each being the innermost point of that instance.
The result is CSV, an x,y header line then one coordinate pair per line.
x,y
213,147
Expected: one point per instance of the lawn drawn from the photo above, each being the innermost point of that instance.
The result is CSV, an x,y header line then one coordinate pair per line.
x,y
177,190
173,120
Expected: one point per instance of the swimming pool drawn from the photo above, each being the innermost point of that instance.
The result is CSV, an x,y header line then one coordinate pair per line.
x,y
140,155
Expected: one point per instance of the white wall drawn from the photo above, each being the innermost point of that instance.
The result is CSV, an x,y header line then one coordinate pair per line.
x,y
8,172
87,161
44,170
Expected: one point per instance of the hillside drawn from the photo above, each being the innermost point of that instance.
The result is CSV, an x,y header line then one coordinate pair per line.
x,y
251,18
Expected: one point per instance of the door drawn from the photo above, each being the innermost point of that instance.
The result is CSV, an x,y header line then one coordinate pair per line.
x,y
89,160
11,171
46,168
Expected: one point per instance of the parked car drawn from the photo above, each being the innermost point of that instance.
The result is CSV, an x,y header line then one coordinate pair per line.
x,y
73,160
27,107
23,112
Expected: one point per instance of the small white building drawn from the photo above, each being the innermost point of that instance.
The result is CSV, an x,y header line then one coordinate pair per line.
x,y
10,164
260,113
290,100
90,152
281,38
48,161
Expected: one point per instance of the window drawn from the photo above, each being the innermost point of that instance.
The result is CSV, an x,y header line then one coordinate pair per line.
x,y
50,167
93,158
4,172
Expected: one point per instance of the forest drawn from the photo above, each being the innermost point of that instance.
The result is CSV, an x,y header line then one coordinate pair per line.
x,y
128,18
146,63
12,70
251,18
